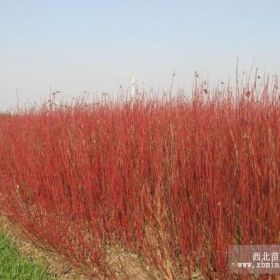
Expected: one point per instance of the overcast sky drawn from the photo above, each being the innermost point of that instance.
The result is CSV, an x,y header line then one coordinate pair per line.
x,y
76,46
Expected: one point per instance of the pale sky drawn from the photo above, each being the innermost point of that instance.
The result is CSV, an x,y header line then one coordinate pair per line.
x,y
76,46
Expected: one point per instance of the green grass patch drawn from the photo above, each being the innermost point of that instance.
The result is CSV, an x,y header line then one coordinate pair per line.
x,y
13,266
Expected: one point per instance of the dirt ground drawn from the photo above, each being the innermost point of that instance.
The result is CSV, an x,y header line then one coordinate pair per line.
x,y
123,264
55,264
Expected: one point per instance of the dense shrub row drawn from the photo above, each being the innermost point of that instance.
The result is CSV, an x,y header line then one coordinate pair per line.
x,y
174,182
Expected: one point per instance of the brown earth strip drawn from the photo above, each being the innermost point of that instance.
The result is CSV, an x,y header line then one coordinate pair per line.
x,y
54,263
125,265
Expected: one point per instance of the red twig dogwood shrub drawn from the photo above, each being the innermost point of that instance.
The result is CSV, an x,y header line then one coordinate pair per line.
x,y
174,182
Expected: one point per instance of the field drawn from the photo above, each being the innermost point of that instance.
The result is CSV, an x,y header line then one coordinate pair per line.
x,y
147,188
